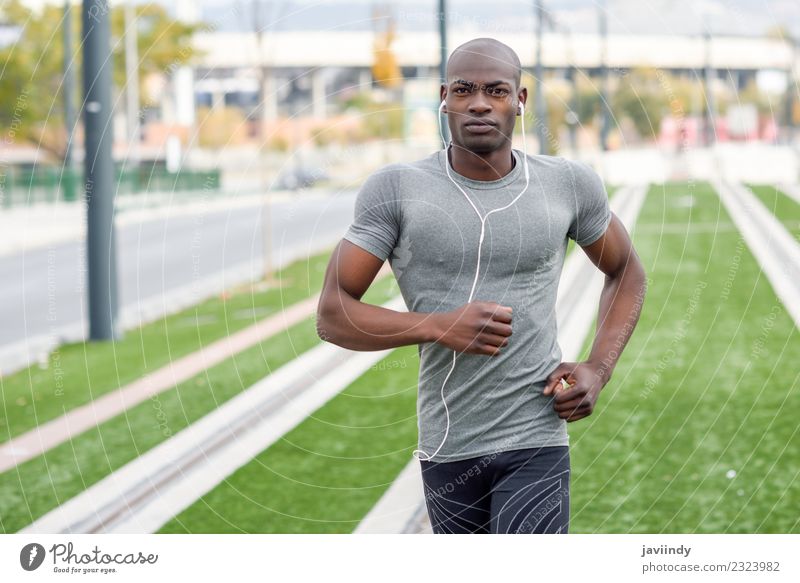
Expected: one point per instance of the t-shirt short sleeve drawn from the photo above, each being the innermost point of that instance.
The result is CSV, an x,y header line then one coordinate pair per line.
x,y
592,211
376,223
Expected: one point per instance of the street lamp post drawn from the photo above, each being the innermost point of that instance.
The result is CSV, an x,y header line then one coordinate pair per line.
x,y
99,172
442,16
605,124
541,111
708,76
69,106
132,86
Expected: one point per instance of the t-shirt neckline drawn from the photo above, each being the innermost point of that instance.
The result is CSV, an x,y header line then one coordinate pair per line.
x,y
504,181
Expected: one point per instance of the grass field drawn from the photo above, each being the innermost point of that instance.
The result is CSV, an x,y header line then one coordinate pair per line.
x,y
696,432
785,209
42,483
326,474
74,374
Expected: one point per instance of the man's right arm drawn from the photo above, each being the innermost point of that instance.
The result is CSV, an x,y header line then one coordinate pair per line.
x,y
343,319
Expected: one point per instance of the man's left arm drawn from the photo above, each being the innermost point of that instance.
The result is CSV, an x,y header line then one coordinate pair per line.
x,y
620,305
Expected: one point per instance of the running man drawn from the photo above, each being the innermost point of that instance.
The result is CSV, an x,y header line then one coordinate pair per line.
x,y
476,236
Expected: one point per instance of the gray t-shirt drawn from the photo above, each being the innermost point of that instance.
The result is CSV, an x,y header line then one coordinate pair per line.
x,y
412,214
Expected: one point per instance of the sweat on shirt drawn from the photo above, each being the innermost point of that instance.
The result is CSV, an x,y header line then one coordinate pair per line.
x,y
414,216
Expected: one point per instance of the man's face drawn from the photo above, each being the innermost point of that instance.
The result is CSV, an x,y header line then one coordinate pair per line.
x,y
481,104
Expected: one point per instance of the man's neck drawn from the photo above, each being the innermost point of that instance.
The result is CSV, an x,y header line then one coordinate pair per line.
x,y
485,166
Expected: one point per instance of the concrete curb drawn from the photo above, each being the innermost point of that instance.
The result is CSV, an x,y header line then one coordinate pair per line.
x,y
774,248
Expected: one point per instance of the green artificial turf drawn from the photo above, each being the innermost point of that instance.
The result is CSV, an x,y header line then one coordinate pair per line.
x,y
75,374
785,209
328,472
37,486
697,430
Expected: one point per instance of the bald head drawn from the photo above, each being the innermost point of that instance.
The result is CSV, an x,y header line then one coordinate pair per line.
x,y
486,52
482,96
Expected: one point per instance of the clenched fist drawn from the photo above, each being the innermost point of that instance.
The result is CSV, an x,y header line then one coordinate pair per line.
x,y
476,328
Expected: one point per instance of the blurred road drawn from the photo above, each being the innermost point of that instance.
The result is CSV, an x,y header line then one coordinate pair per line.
x,y
164,263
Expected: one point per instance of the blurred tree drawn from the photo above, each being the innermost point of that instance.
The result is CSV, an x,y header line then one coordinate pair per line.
x,y
377,120
779,32
30,94
588,99
163,44
641,97
30,109
683,94
765,104
385,69
220,127
557,94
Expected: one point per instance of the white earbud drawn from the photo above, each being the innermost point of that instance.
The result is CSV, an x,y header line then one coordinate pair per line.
x,y
442,104
521,108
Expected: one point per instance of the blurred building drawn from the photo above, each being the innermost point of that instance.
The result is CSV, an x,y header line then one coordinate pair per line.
x,y
312,71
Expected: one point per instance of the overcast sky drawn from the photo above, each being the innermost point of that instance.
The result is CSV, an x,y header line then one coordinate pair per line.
x,y
736,17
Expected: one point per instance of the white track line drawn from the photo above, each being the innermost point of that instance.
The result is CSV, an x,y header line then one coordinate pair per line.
x,y
790,190
777,252
402,507
147,492
52,433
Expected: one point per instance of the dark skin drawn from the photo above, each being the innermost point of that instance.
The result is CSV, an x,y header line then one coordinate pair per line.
x,y
485,89
620,305
481,90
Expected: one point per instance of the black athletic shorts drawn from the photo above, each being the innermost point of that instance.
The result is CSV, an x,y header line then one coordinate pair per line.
x,y
518,491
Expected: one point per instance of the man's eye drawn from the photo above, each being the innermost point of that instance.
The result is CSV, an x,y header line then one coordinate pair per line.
x,y
461,90
499,92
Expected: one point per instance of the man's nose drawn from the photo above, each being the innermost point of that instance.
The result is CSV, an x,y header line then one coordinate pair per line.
x,y
479,103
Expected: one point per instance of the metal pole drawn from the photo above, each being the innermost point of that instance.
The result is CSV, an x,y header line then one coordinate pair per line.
x,y
790,81
572,115
69,106
541,113
605,124
259,25
99,172
442,15
132,85
708,75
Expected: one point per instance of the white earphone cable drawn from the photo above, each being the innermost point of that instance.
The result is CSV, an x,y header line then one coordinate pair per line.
x,y
480,244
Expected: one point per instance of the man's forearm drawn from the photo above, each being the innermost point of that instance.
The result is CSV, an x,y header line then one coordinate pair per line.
x,y
359,326
620,306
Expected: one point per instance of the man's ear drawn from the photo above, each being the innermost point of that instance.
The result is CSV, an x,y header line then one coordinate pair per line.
x,y
522,96
443,96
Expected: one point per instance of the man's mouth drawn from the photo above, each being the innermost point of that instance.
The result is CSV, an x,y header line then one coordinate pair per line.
x,y
479,127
